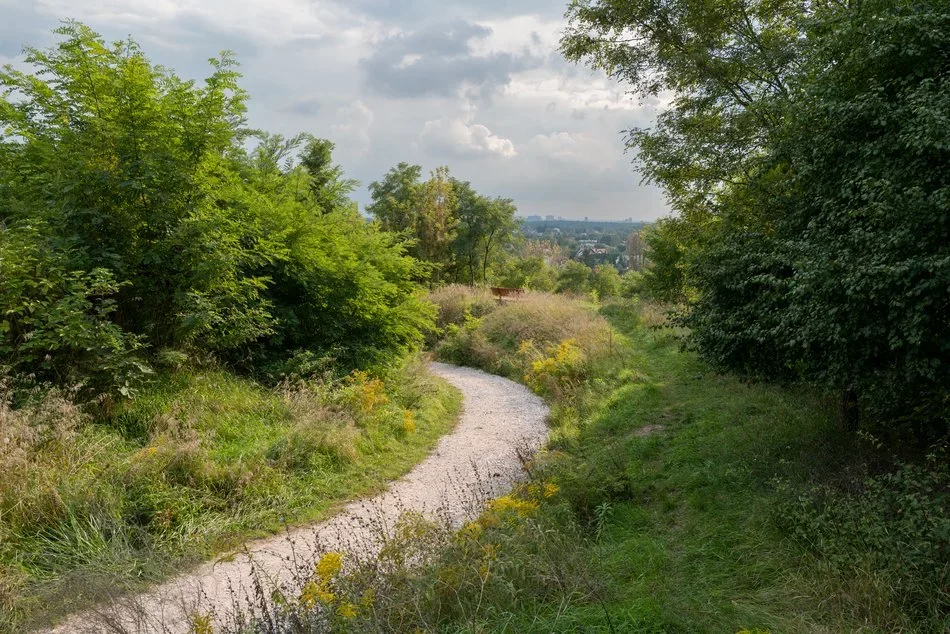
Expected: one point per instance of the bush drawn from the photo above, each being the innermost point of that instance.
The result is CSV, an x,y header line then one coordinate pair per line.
x,y
455,303
895,532
546,319
605,282
133,214
573,278
530,273
548,341
55,323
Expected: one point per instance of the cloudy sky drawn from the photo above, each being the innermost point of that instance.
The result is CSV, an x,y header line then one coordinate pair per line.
x,y
474,84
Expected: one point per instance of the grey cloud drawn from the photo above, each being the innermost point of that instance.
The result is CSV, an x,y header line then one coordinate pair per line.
x,y
22,26
438,61
197,32
416,11
305,107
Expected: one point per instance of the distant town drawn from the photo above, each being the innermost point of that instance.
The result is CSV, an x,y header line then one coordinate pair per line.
x,y
593,242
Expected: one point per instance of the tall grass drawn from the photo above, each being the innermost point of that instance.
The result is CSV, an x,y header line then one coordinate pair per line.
x,y
200,461
686,502
456,302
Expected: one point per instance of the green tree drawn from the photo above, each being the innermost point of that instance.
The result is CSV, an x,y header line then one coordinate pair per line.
x,y
605,281
133,214
807,160
574,277
395,198
485,227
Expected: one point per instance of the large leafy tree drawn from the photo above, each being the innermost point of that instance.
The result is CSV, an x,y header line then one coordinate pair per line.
x,y
485,227
806,152
445,222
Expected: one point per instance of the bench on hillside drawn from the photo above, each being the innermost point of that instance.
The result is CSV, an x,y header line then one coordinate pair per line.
x,y
501,294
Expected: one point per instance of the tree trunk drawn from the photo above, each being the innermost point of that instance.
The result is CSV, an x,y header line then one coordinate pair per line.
x,y
848,411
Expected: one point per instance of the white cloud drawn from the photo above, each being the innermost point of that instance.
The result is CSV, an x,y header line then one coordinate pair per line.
x,y
458,137
576,147
352,134
475,85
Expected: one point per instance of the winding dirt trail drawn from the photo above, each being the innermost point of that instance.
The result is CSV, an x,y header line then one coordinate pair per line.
x,y
501,422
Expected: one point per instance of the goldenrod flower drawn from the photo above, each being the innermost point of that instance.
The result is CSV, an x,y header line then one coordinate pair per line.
x,y
346,610
329,565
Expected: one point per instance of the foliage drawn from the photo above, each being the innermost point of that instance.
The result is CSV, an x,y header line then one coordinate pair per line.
x,y
133,214
526,272
605,282
894,531
54,322
573,278
457,231
805,156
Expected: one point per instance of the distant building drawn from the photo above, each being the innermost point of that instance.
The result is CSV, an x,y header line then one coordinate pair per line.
x,y
549,217
534,218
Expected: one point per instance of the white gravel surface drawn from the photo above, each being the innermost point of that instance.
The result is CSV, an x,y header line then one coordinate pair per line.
x,y
502,422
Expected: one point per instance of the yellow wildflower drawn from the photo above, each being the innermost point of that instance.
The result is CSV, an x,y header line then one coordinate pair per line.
x,y
325,595
408,421
309,595
347,610
550,489
329,565
368,599
511,504
201,624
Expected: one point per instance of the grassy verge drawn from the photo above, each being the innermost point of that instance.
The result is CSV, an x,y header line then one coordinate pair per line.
x,y
197,463
673,500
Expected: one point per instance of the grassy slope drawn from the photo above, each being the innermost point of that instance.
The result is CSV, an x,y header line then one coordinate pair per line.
x,y
694,537
200,462
692,542
688,528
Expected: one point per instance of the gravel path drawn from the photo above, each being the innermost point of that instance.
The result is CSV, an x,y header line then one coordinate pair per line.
x,y
501,422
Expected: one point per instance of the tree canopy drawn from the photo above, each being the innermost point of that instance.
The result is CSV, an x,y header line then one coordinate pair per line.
x,y
806,152
138,212
447,224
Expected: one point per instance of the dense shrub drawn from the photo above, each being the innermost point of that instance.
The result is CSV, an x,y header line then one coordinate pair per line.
x,y
133,214
457,302
530,272
573,278
549,341
893,535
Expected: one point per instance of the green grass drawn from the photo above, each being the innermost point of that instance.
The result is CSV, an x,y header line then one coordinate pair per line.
x,y
698,525
198,463
746,508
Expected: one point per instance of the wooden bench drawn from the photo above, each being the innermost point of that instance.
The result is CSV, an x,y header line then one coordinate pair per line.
x,y
506,294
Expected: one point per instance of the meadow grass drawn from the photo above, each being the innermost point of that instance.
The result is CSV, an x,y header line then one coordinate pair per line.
x,y
682,501
199,462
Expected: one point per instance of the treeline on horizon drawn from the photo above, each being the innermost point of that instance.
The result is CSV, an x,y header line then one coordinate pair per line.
x,y
806,155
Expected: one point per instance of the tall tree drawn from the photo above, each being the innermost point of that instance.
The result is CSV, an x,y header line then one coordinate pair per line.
x,y
805,150
395,198
436,221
